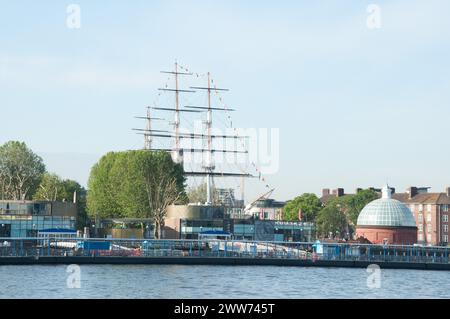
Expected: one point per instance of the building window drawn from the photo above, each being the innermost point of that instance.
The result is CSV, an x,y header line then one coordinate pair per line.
x,y
445,218
429,228
420,227
445,238
420,237
445,227
444,208
429,208
428,217
420,216
420,208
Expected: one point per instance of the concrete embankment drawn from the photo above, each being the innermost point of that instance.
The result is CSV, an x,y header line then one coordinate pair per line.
x,y
217,261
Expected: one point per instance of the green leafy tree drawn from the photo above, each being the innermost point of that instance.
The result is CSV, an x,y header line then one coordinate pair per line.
x,y
101,199
346,209
138,184
309,204
354,204
50,188
351,205
164,183
53,188
72,190
21,171
197,194
331,220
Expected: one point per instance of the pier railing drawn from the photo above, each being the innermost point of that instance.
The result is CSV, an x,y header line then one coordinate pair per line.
x,y
213,248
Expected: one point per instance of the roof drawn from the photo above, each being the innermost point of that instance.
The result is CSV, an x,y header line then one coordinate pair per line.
x,y
386,212
423,198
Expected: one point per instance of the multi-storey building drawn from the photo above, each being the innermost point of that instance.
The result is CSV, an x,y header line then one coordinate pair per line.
x,y
28,218
430,211
193,221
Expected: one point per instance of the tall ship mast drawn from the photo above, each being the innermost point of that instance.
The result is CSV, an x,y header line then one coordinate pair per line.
x,y
208,170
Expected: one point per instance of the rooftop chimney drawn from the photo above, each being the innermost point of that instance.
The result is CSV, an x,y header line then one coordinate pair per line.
x,y
358,190
340,192
412,191
448,191
325,192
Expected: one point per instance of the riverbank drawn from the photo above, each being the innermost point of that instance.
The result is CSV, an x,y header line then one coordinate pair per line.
x,y
229,261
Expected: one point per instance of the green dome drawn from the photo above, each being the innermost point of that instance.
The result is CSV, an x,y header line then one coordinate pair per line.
x,y
386,212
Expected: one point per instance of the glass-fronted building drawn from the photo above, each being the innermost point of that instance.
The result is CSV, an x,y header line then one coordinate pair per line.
x,y
27,218
189,222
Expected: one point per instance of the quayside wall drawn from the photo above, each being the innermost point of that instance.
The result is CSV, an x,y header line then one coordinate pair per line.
x,y
229,261
32,251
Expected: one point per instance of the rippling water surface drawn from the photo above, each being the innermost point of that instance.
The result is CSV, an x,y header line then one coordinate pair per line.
x,y
193,282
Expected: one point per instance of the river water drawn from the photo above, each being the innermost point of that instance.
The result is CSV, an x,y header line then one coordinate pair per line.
x,y
222,282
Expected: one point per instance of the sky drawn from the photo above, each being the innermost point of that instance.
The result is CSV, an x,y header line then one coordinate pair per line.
x,y
355,106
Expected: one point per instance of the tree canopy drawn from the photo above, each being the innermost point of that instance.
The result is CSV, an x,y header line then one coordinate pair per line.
x,y
136,184
197,194
309,204
338,216
355,203
331,220
23,177
53,188
21,171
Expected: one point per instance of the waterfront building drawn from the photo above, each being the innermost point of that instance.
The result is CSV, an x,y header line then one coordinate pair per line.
x,y
267,209
387,221
27,218
193,221
431,213
57,233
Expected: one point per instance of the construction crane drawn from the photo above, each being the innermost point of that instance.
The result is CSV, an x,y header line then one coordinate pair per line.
x,y
264,196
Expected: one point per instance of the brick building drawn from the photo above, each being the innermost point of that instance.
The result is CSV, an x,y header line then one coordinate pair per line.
x,y
430,211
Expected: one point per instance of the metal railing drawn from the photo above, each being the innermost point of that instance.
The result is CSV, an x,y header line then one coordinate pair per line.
x,y
213,248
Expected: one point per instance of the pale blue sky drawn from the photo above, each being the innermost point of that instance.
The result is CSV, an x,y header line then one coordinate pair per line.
x,y
355,107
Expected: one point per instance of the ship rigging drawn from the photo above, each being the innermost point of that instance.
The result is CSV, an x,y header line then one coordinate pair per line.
x,y
208,168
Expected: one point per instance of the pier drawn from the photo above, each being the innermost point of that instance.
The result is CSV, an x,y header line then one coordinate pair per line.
x,y
219,252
